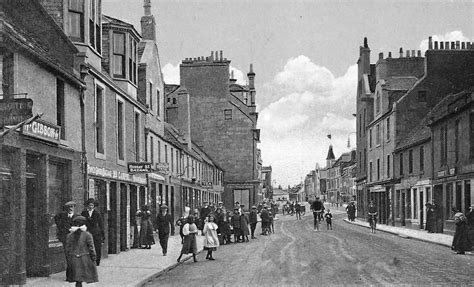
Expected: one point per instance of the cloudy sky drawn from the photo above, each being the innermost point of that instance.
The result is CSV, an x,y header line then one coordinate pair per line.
x,y
304,55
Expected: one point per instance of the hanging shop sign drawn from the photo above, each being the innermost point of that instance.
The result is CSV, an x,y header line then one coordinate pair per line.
x,y
139,167
163,168
42,130
15,111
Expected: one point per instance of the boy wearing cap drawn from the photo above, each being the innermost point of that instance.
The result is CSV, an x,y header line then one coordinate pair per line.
x,y
253,221
164,224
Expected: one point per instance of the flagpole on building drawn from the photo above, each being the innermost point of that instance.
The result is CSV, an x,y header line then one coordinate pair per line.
x,y
19,125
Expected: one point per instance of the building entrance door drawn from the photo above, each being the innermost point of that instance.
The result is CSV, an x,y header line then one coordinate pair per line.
x,y
113,220
33,239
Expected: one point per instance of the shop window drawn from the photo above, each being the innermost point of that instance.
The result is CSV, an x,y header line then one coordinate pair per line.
x,y
60,108
119,55
56,193
76,20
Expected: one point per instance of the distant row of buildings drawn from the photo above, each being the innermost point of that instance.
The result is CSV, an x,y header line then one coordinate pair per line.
x,y
85,113
335,183
415,132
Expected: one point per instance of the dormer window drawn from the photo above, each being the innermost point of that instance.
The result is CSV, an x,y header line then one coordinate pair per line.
x,y
76,20
119,55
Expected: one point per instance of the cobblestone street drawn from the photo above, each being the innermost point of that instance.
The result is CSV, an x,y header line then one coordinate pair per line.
x,y
348,254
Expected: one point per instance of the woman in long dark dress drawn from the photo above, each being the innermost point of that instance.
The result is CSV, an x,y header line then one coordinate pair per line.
x,y
461,242
189,242
146,228
80,254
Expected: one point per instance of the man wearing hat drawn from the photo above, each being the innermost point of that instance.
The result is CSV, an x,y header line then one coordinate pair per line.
x,y
63,221
165,226
253,221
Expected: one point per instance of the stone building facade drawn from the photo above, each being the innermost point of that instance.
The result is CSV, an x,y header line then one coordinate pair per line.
x,y
41,163
223,122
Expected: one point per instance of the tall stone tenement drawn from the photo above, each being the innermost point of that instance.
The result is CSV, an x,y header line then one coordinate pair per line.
x,y
223,122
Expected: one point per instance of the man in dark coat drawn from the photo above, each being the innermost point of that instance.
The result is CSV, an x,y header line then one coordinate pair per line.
x,y
165,226
266,220
461,242
236,225
63,221
253,221
95,226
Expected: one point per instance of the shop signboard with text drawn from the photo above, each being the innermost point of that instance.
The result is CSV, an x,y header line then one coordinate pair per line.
x,y
42,130
139,167
15,111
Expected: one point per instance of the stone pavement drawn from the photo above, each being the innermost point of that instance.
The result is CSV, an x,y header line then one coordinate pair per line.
x,y
402,231
128,268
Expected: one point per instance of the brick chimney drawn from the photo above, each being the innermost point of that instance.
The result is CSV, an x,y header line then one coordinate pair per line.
x,y
251,77
148,23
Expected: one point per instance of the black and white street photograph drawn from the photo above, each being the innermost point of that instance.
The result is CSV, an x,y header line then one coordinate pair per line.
x,y
236,143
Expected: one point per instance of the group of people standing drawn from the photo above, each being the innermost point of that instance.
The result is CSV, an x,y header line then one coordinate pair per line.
x,y
82,236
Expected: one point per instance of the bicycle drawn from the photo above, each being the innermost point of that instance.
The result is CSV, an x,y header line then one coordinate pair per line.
x,y
317,218
372,222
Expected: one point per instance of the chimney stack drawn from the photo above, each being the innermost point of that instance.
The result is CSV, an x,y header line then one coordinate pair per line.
x,y
436,45
220,55
390,54
441,45
380,56
430,43
419,53
458,45
408,53
401,52
148,23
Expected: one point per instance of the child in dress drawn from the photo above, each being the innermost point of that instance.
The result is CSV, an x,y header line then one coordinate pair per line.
x,y
328,217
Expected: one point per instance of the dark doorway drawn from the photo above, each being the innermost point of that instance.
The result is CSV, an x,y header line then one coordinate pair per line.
x,y
422,213
112,220
133,211
467,195
403,208
123,216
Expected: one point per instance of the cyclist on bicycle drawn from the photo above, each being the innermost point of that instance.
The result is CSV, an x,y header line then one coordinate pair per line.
x,y
372,214
318,208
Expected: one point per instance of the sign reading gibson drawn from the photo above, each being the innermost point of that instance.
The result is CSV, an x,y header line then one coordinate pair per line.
x,y
42,130
14,111
139,167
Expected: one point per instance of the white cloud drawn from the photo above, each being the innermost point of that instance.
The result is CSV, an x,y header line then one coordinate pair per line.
x,y
448,37
171,73
239,76
298,108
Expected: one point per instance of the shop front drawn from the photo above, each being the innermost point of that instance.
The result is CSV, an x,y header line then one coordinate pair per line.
x,y
380,195
37,176
119,195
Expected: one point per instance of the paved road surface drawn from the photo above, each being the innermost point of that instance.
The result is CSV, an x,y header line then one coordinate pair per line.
x,y
348,254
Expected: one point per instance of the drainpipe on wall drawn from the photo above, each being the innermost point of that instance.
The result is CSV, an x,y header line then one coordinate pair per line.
x,y
84,73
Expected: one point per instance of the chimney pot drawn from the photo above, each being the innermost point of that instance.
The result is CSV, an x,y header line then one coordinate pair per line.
x,y
446,45
365,43
380,56
458,43
220,55
419,53
408,53
436,45
401,52
413,53
430,43
463,45
390,54
453,45
441,45
212,55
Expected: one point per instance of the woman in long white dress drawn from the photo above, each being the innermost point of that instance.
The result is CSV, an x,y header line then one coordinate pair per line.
x,y
211,241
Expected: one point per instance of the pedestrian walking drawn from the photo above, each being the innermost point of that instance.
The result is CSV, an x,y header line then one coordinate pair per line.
x,y
63,221
298,210
351,210
165,226
430,218
146,239
236,225
470,224
265,216
253,221
244,227
461,242
271,227
189,243
80,254
211,241
318,208
95,226
328,217
180,223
